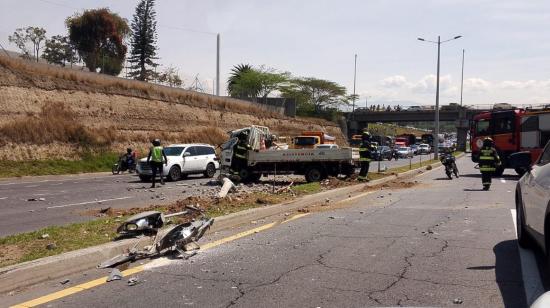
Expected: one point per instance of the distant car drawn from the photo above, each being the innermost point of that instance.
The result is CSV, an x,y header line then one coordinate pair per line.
x,y
414,108
383,152
404,152
533,200
414,149
327,146
183,159
424,148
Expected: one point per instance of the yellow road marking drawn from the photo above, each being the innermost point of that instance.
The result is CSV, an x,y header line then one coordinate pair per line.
x,y
100,281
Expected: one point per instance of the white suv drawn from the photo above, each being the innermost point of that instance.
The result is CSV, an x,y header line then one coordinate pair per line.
x,y
183,159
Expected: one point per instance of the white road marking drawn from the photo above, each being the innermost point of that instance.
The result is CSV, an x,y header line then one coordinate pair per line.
x,y
3,198
64,180
532,282
31,186
87,202
502,180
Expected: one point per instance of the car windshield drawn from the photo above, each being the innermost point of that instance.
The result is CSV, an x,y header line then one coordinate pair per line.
x,y
403,149
324,146
173,151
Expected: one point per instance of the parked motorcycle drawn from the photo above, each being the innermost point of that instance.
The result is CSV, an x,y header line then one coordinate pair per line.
x,y
124,164
449,162
395,155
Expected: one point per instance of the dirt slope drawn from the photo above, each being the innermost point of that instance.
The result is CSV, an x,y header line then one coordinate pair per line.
x,y
136,111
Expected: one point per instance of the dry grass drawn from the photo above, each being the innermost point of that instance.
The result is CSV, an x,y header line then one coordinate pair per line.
x,y
49,76
55,123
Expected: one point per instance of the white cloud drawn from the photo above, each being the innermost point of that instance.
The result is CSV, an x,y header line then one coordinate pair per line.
x,y
396,81
516,85
476,85
427,84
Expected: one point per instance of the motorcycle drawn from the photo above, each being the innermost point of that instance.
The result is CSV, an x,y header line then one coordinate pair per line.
x,y
124,164
395,155
450,166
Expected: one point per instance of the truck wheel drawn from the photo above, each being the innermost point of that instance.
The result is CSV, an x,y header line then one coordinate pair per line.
x,y
248,177
314,174
174,174
145,178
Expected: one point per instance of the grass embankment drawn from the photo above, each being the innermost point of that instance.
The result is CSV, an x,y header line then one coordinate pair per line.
x,y
30,246
88,163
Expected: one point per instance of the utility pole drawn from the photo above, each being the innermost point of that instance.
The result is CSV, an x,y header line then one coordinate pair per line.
x,y
462,79
354,79
218,64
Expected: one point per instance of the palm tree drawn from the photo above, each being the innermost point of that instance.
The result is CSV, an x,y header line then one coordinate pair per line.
x,y
236,72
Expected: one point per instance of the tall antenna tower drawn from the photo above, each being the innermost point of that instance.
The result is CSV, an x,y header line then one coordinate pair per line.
x,y
196,85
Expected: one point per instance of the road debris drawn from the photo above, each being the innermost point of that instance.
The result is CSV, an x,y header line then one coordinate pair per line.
x,y
44,236
51,246
457,301
133,281
114,275
63,282
143,223
227,186
180,238
36,199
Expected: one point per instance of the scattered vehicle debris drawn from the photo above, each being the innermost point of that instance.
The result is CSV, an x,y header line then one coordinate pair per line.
x,y
180,238
143,223
44,236
51,246
36,199
63,282
458,301
226,187
133,281
114,275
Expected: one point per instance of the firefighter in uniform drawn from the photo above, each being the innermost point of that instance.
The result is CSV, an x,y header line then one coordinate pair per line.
x,y
240,150
488,162
365,155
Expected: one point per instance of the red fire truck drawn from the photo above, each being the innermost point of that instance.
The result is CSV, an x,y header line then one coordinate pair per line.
x,y
513,130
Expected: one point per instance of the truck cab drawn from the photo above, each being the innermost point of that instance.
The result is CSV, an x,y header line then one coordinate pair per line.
x,y
310,139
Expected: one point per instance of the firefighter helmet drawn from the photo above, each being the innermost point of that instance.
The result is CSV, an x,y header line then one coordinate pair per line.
x,y
488,142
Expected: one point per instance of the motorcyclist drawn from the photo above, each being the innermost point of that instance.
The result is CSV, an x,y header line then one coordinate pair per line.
x,y
366,152
488,162
240,153
128,159
155,160
448,158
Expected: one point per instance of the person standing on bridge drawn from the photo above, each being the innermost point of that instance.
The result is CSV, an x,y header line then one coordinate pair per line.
x,y
154,159
366,151
488,162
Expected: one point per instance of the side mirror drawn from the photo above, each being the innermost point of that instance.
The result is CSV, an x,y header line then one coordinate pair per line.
x,y
520,160
186,154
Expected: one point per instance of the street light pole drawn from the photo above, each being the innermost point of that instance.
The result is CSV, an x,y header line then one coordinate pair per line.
x,y
436,137
462,78
354,80
436,132
218,64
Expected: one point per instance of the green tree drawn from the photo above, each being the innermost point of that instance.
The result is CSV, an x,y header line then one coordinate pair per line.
x,y
319,93
99,35
143,42
170,77
236,73
58,50
258,83
22,36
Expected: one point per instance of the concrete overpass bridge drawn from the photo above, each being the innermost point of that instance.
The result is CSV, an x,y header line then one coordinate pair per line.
x,y
461,117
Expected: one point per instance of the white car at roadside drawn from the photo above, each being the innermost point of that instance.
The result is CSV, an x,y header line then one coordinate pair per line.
x,y
183,159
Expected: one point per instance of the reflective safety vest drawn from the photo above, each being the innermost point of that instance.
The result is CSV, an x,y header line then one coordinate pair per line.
x,y
240,150
156,154
488,159
365,152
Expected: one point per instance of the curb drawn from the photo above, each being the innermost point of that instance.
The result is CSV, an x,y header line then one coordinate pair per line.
x,y
26,274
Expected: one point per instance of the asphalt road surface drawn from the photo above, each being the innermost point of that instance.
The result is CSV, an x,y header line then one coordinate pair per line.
x,y
438,243
72,198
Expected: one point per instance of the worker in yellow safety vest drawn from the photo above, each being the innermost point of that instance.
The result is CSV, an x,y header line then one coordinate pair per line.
x,y
488,162
155,160
366,152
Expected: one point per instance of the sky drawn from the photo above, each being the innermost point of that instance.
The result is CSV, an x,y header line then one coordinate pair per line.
x,y
506,43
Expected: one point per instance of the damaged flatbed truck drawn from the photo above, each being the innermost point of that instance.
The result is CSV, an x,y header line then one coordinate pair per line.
x,y
267,157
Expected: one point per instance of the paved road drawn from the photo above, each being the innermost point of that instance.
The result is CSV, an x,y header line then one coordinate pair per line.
x,y
68,199
438,243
